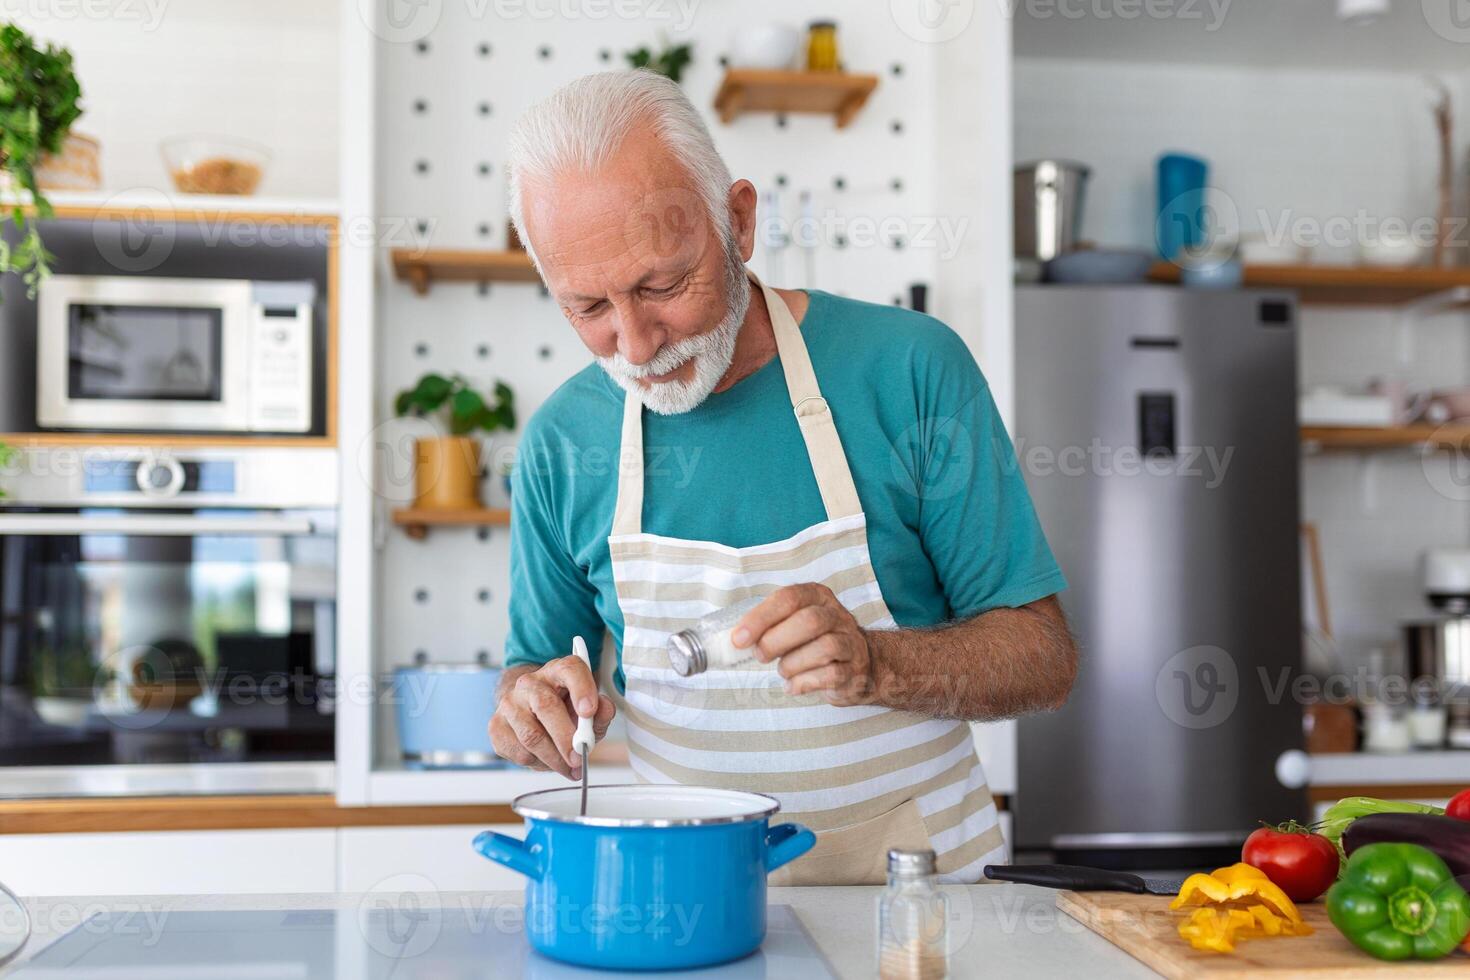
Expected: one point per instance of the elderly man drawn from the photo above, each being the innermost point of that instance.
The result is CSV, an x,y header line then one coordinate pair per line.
x,y
843,460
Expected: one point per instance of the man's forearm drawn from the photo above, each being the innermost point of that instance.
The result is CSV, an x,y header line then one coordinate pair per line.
x,y
1000,664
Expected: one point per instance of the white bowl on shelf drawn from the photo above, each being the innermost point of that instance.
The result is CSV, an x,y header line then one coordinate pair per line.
x,y
772,47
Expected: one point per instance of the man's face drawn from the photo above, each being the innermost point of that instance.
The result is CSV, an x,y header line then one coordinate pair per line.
x,y
640,270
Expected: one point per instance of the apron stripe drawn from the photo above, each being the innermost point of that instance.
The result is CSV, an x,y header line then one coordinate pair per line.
x,y
816,570
867,752
697,599
637,542
831,768
768,738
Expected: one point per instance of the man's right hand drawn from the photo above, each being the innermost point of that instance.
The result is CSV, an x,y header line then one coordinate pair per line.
x,y
537,715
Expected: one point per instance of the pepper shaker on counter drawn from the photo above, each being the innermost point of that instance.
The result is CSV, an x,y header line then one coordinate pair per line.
x,y
913,920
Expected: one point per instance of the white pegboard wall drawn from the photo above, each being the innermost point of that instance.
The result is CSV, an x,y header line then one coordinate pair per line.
x,y
445,105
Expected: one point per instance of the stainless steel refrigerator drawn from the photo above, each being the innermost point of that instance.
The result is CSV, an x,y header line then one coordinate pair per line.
x,y
1157,430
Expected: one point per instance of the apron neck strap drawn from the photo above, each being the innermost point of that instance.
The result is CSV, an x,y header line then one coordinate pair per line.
x,y
813,416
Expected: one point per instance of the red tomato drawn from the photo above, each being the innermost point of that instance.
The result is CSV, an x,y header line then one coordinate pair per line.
x,y
1299,862
1459,807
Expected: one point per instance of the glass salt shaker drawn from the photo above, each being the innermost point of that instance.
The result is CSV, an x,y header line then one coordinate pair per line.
x,y
913,920
707,643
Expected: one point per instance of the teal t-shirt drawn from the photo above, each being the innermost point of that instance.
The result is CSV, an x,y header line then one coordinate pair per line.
x,y
951,528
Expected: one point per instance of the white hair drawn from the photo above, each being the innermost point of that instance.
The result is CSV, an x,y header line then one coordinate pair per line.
x,y
581,125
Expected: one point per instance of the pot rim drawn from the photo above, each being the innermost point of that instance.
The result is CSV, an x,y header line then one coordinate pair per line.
x,y
521,807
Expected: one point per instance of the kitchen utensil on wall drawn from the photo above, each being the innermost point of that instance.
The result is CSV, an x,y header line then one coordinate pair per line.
x,y
443,712
694,848
772,47
1444,129
773,234
1181,203
1048,198
807,241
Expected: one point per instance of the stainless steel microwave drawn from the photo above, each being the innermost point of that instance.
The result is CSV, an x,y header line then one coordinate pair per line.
x,y
145,353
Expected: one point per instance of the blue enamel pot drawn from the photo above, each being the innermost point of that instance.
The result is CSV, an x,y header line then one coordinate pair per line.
x,y
653,878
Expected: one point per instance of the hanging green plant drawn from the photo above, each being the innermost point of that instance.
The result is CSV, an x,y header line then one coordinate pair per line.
x,y
670,62
39,101
6,455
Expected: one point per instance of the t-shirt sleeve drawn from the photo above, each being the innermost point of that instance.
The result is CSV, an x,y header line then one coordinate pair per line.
x,y
976,518
551,597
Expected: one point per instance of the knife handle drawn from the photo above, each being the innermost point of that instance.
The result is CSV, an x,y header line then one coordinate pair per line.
x,y
1067,876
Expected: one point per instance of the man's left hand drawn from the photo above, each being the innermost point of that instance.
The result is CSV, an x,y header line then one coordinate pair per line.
x,y
820,646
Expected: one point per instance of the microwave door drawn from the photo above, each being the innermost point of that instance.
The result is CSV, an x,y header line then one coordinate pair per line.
x,y
119,353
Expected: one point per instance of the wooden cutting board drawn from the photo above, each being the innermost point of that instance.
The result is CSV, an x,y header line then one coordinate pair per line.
x,y
1145,928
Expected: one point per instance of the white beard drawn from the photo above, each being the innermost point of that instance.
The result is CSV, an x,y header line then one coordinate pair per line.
x,y
711,352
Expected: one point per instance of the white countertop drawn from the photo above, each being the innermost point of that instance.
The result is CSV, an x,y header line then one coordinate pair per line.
x,y
997,930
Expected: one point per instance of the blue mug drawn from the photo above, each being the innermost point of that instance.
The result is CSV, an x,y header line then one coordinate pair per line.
x,y
1180,223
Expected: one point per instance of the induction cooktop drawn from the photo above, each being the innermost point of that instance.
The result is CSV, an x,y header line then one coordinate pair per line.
x,y
379,944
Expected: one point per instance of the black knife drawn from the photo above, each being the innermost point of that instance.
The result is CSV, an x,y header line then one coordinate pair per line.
x,y
1078,879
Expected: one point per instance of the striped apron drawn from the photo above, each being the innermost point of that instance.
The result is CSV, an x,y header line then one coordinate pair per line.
x,y
864,778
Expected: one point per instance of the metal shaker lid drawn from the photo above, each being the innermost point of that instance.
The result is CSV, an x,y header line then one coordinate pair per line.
x,y
686,653
906,862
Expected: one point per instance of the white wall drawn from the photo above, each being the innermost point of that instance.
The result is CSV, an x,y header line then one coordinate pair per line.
x,y
1308,144
265,71
429,116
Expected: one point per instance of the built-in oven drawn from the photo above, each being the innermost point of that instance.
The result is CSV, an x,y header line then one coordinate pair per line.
x,y
147,353
167,621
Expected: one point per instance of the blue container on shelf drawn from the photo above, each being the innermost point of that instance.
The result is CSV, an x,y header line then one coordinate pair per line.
x,y
654,877
443,712
1181,210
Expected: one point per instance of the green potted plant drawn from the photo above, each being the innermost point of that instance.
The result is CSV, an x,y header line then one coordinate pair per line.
x,y
446,472
39,97
669,62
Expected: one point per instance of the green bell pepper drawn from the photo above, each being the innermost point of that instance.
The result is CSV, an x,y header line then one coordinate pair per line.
x,y
1397,901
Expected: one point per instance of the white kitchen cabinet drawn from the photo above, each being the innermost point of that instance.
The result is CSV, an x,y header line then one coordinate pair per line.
x,y
169,862
420,859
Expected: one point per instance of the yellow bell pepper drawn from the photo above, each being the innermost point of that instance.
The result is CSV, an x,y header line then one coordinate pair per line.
x,y
1226,918
1233,884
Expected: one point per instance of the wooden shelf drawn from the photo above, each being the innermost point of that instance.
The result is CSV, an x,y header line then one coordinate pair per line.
x,y
51,440
416,523
818,92
1344,285
421,269
1454,436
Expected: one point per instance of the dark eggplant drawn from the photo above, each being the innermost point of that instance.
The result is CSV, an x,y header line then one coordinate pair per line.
x,y
1445,836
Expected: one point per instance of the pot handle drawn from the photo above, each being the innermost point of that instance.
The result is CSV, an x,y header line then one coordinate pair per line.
x,y
512,853
786,842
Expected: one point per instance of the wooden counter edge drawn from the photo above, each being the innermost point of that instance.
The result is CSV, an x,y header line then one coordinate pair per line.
x,y
96,815
295,812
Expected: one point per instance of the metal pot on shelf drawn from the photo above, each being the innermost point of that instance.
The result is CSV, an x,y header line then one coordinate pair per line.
x,y
1438,653
443,713
1047,197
